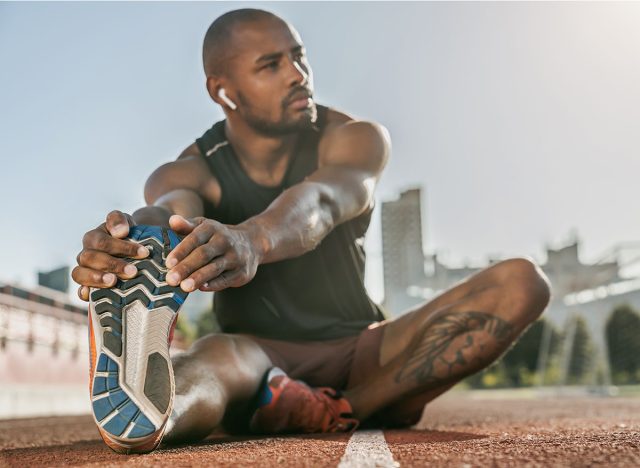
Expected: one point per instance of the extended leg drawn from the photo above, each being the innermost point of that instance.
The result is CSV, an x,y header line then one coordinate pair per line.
x,y
428,350
217,371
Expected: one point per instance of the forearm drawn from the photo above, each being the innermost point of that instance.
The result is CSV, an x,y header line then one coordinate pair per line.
x,y
215,256
152,215
294,223
181,202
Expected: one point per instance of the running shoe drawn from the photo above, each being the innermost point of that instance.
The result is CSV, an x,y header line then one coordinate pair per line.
x,y
130,329
285,405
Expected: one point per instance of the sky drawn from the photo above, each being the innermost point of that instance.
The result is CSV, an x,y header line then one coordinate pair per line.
x,y
519,120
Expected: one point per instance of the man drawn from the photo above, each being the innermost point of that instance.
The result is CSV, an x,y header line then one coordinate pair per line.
x,y
273,203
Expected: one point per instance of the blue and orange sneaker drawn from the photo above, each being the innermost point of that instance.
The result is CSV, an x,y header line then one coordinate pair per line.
x,y
285,405
130,329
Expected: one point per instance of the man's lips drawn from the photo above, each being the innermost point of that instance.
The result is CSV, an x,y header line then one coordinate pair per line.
x,y
301,102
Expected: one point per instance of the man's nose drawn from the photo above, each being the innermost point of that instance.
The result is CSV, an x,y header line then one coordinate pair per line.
x,y
299,74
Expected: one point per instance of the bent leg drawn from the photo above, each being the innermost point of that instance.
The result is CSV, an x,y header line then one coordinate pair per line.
x,y
427,351
216,372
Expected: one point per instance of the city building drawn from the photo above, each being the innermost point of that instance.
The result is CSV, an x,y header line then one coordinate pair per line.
x,y
410,276
403,258
44,358
44,351
590,291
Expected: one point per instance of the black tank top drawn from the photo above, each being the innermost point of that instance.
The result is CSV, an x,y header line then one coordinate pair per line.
x,y
317,296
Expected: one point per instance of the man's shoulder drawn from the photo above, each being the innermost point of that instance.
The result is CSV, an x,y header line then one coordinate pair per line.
x,y
347,129
336,118
191,151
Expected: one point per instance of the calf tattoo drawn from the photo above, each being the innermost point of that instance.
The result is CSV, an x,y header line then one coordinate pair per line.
x,y
430,348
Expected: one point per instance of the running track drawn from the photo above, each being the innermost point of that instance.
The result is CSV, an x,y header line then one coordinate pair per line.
x,y
456,430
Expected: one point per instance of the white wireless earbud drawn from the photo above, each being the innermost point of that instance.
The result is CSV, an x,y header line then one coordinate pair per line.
x,y
223,95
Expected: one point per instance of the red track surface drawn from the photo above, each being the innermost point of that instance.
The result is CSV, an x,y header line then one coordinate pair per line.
x,y
455,431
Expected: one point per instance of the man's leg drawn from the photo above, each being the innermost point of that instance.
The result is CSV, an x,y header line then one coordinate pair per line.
x,y
428,350
216,372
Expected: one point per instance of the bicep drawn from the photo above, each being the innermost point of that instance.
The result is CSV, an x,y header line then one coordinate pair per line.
x,y
350,164
360,145
182,202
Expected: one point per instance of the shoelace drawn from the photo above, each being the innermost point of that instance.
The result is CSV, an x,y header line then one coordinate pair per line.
x,y
337,421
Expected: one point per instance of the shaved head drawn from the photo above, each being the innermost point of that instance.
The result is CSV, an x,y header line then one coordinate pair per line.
x,y
218,45
260,61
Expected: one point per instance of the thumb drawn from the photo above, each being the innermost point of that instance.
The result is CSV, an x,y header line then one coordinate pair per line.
x,y
118,224
182,225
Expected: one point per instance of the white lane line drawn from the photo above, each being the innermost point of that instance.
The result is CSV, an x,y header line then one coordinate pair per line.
x,y
367,449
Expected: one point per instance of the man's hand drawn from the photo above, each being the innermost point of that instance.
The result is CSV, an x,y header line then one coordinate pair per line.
x,y
213,256
100,262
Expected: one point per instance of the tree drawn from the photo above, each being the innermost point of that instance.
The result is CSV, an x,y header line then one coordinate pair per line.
x,y
518,365
207,323
184,333
581,352
623,343
521,361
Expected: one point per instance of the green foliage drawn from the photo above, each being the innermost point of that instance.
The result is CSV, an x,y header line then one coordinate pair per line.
x,y
521,361
623,342
581,353
186,329
207,323
493,376
518,366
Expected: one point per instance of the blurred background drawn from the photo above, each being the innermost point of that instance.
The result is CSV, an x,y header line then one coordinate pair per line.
x,y
514,129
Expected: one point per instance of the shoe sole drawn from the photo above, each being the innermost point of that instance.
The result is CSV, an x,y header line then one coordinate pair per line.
x,y
132,384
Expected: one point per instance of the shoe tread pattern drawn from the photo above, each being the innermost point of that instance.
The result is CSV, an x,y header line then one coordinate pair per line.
x,y
114,410
115,405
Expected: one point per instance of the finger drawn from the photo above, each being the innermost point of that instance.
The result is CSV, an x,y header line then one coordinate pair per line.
x,y
205,274
93,278
218,245
199,236
104,262
227,279
118,223
100,240
83,293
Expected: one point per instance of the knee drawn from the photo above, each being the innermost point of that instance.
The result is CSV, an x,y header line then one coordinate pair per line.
x,y
526,283
205,363
234,360
219,345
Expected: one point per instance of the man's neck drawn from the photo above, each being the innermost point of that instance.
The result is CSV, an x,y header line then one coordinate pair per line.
x,y
259,153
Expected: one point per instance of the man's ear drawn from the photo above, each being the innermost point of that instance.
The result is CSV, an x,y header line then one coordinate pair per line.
x,y
213,85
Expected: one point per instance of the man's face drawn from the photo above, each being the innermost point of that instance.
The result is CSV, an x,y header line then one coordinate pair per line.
x,y
272,78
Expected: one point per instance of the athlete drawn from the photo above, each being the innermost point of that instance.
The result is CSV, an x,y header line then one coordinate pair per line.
x,y
268,209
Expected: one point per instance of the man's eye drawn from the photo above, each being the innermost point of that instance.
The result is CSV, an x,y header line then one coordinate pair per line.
x,y
272,65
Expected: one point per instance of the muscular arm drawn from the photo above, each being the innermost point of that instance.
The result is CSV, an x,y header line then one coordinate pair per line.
x,y
177,187
174,188
214,256
351,160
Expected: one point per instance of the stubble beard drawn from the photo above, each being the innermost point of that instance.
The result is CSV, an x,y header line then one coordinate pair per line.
x,y
306,120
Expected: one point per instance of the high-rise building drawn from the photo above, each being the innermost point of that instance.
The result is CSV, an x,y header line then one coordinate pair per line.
x,y
586,291
403,257
407,283
57,279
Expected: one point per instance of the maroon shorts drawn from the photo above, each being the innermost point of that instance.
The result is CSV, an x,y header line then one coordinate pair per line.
x,y
341,364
